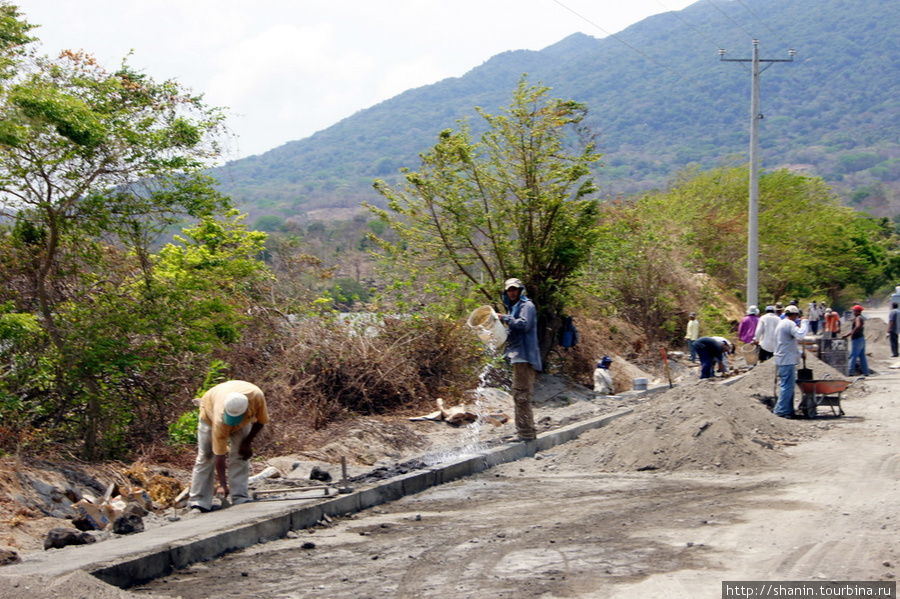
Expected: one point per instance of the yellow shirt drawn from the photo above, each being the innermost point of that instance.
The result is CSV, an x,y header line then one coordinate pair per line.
x,y
212,407
693,330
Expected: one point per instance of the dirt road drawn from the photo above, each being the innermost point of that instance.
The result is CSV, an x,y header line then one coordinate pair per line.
x,y
563,524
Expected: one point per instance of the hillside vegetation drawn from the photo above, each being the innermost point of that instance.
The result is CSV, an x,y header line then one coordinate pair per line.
x,y
659,98
110,324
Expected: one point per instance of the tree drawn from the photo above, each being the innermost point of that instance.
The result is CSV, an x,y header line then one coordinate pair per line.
x,y
809,243
516,203
14,38
93,165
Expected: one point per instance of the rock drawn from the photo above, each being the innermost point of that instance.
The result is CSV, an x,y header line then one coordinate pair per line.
x,y
8,556
135,509
320,474
61,537
82,523
127,524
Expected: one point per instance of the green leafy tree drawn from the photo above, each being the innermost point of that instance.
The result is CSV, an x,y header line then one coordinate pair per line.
x,y
14,39
809,243
515,203
94,163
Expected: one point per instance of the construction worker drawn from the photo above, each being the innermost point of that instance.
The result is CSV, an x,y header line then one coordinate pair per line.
x,y
523,353
231,415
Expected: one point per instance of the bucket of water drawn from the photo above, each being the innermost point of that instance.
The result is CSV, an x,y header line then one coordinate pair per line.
x,y
750,353
487,326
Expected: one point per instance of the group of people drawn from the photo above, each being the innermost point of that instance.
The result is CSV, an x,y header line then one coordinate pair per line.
x,y
777,334
233,413
760,330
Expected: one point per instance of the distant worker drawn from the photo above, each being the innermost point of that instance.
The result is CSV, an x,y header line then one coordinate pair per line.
x,y
894,328
814,314
692,334
603,383
747,328
231,415
779,310
832,324
728,347
711,351
523,353
787,356
765,333
857,343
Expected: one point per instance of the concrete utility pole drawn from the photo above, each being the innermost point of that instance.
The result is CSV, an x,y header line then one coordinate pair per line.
x,y
755,117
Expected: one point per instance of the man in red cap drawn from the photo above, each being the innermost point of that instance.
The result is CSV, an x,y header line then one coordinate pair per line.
x,y
857,343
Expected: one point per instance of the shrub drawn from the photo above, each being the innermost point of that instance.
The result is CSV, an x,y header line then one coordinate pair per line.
x,y
374,365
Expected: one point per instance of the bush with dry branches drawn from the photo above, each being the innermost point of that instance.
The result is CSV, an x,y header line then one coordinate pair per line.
x,y
373,365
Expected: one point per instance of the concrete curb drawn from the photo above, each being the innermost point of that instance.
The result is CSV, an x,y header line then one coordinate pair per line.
x,y
127,561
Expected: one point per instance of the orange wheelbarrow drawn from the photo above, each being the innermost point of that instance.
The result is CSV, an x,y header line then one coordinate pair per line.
x,y
822,392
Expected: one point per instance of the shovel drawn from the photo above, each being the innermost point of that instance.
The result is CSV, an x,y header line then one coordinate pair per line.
x,y
665,357
804,374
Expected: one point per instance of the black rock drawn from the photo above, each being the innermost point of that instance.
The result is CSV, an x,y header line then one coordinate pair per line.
x,y
127,524
82,523
58,538
319,474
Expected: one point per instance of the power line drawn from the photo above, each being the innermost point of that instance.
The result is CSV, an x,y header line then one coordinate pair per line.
x,y
764,24
633,48
689,25
738,25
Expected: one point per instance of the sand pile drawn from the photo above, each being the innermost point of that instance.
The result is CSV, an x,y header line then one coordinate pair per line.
x,y
699,425
76,585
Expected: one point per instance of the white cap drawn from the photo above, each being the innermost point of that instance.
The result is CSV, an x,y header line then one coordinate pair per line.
x,y
235,407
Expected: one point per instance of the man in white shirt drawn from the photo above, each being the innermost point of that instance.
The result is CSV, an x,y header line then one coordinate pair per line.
x,y
765,333
787,355
814,312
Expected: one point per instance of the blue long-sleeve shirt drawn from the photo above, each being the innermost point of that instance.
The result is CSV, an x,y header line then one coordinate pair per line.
x,y
522,341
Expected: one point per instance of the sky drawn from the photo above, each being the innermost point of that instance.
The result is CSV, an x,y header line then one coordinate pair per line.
x,y
285,69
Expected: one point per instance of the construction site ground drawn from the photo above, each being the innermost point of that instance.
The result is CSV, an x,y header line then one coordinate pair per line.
x,y
699,484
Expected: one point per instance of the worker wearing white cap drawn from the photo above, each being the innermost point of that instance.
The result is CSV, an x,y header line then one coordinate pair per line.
x,y
231,415
523,353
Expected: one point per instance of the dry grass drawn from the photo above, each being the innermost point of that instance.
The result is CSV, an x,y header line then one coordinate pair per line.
x,y
333,370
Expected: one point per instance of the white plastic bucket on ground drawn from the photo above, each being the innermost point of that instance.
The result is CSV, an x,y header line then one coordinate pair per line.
x,y
487,326
750,353
640,384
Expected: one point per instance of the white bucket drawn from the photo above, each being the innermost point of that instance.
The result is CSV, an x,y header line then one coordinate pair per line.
x,y
750,353
487,326
640,384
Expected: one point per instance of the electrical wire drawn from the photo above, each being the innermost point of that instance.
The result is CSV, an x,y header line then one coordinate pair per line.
x,y
690,26
764,24
633,48
738,25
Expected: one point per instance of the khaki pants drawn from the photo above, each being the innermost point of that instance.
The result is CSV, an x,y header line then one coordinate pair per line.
x,y
203,479
522,388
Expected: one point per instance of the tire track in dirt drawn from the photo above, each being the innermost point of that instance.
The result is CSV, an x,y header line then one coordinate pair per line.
x,y
476,538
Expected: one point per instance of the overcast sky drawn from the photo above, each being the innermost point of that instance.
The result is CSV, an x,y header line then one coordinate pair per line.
x,y
288,68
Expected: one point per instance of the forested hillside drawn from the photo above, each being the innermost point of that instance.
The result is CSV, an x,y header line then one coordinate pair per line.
x,y
660,99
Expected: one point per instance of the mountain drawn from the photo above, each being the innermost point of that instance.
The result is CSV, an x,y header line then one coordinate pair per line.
x,y
660,98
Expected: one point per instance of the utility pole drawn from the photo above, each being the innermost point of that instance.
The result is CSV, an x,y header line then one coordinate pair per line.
x,y
755,117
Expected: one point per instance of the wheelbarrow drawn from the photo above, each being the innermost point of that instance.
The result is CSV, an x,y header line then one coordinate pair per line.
x,y
822,392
